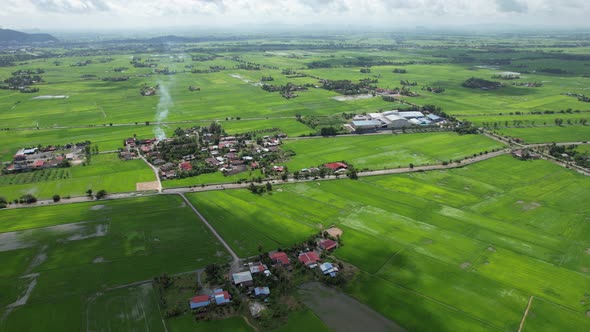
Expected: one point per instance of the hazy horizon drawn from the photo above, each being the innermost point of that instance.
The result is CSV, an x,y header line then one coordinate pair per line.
x,y
111,15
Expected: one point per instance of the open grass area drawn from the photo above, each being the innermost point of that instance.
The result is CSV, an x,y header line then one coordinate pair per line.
x,y
106,171
386,151
188,323
549,134
66,256
465,247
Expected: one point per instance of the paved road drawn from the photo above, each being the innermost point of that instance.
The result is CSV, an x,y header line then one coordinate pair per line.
x,y
224,186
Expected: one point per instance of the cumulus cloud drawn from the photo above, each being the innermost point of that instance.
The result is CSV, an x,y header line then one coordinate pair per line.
x,y
225,13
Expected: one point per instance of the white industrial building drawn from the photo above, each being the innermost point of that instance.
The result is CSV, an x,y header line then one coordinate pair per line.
x,y
389,119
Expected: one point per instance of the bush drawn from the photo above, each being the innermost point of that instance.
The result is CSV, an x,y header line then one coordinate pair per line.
x,y
27,199
101,194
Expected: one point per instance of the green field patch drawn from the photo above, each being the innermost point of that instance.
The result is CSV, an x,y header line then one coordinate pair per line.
x,y
106,171
225,209
549,134
545,317
188,323
468,292
559,285
378,293
129,309
386,151
124,242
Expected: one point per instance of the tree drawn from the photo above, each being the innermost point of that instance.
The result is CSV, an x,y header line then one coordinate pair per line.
x,y
147,123
56,198
89,192
27,199
3,202
101,194
268,186
411,165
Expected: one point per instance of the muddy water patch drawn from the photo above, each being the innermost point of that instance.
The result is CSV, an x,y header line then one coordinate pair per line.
x,y
16,240
341,312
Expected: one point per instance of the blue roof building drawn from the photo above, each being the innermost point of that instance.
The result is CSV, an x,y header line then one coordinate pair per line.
x,y
434,118
221,296
261,291
199,301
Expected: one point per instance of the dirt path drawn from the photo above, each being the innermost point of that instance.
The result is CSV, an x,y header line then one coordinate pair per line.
x,y
156,172
236,260
526,312
341,312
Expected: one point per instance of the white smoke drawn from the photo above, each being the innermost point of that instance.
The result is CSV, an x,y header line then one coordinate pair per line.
x,y
164,106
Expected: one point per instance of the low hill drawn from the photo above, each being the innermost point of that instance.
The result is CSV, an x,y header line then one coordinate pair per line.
x,y
12,36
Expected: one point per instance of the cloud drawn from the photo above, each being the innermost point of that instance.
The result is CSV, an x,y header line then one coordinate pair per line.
x,y
121,14
71,6
512,6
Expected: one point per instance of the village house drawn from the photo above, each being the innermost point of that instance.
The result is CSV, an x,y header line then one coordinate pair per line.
x,y
199,301
185,166
258,268
243,279
279,258
261,291
328,244
329,269
336,166
309,259
221,297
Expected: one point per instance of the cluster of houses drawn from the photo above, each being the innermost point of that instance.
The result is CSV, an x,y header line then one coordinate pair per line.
x,y
392,120
337,167
228,154
133,145
30,159
279,259
524,154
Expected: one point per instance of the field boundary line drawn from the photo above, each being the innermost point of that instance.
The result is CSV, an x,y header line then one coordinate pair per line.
x,y
235,257
389,259
526,312
438,302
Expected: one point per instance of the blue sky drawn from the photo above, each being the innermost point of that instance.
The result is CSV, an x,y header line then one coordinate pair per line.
x,y
123,14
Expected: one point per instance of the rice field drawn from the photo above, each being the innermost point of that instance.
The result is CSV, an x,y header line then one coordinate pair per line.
x,y
106,171
466,247
386,151
59,262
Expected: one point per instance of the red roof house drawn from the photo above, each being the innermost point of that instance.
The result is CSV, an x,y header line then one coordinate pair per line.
x,y
335,166
186,166
199,301
38,163
279,257
328,244
308,258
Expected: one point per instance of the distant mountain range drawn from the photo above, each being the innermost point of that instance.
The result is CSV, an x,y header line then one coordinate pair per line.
x,y
16,37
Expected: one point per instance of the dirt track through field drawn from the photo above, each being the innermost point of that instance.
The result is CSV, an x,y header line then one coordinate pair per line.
x,y
526,312
341,312
235,258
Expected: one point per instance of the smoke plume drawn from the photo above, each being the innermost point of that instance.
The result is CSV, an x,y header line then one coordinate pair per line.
x,y
164,106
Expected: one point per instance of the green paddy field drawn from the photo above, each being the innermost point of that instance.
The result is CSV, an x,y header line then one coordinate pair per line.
x,y
502,230
65,259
